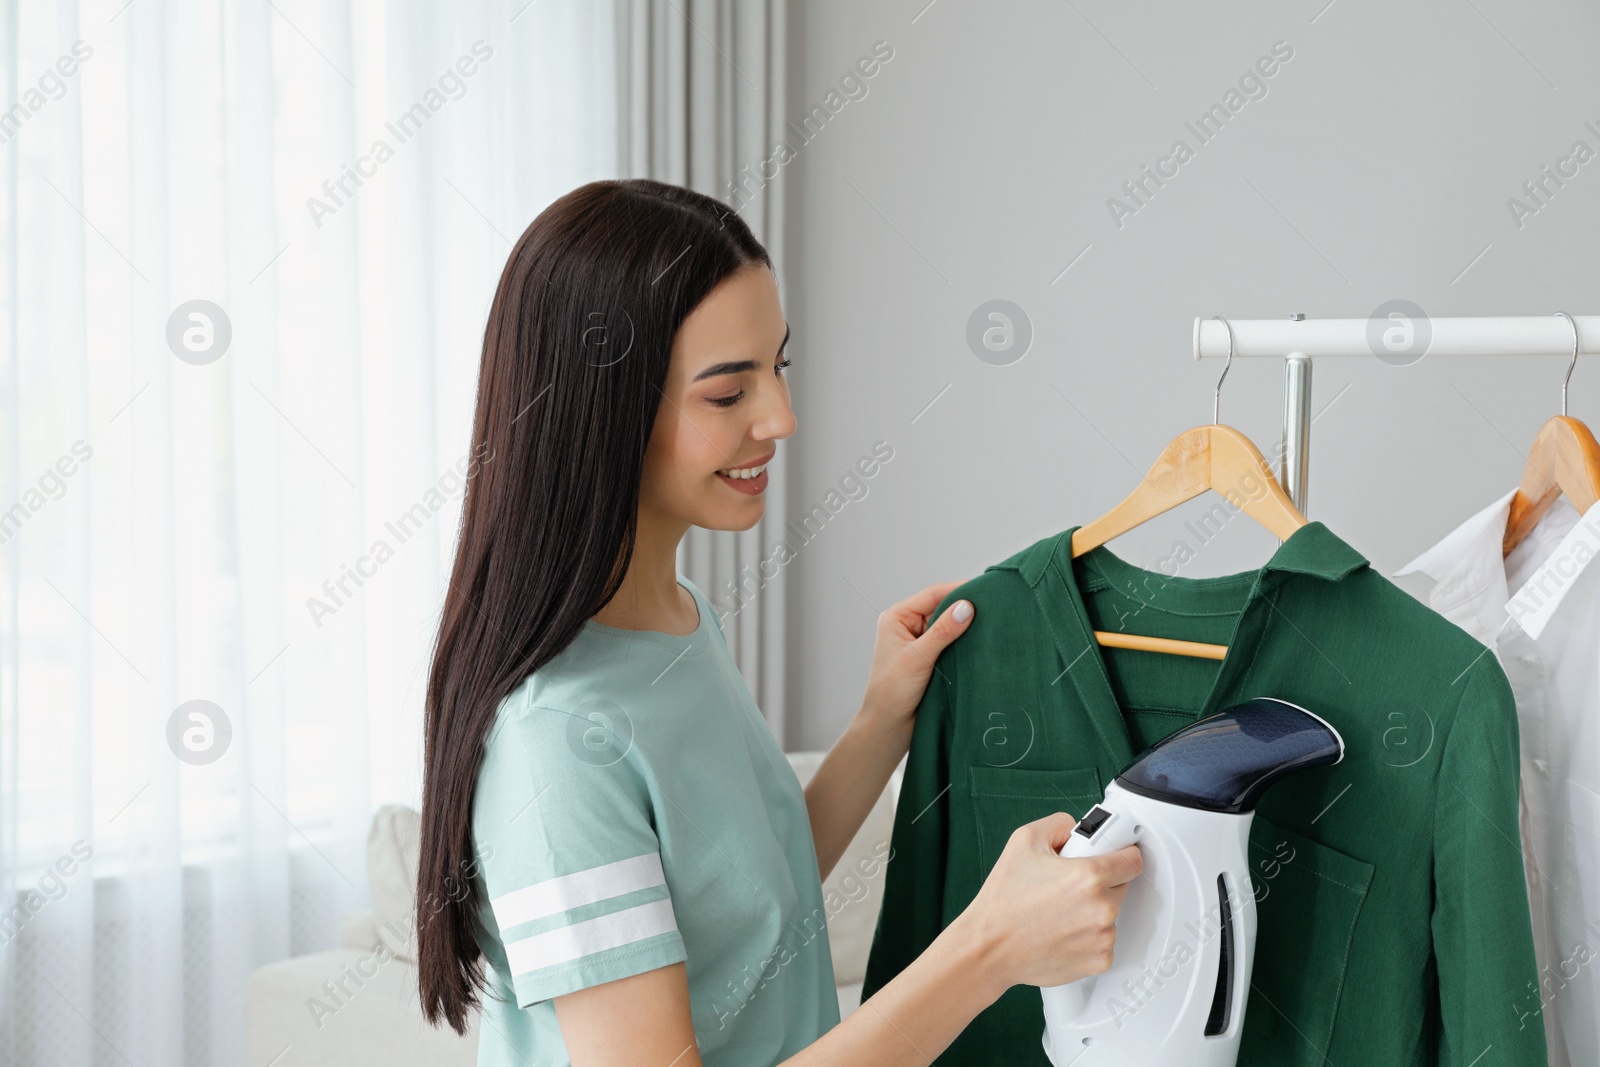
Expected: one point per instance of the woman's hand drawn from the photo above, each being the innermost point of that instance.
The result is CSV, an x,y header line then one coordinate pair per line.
x,y
1046,919
903,657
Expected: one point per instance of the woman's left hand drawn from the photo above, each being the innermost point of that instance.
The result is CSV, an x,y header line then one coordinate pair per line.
x,y
903,657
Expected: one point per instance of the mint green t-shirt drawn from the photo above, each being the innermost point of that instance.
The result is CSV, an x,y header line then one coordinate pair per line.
x,y
633,810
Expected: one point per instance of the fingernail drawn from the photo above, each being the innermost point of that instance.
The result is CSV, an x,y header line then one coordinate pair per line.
x,y
963,611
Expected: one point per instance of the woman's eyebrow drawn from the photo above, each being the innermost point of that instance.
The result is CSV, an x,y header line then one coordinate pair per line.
x,y
738,366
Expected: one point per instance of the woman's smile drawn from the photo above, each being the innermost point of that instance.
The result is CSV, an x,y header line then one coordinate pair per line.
x,y
750,479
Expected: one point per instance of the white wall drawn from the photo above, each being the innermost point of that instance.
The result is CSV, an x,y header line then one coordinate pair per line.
x,y
1377,166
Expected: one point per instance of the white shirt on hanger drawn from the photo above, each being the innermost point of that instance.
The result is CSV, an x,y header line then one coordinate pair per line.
x,y
1539,610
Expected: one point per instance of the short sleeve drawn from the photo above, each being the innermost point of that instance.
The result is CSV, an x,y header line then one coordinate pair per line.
x,y
565,835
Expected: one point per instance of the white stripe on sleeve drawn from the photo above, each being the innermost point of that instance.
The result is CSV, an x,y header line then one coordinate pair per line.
x,y
573,890
566,943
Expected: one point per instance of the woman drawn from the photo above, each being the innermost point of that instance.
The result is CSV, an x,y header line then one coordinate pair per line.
x,y
606,818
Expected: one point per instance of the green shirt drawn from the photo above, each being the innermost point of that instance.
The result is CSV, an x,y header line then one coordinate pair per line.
x,y
1393,914
633,810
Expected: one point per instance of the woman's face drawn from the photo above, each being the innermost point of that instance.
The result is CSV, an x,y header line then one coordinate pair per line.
x,y
724,407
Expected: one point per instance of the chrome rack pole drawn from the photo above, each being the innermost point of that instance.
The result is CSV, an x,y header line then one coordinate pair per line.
x,y
1294,466
1301,340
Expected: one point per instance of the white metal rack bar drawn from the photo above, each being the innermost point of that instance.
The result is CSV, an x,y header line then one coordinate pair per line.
x,y
1298,340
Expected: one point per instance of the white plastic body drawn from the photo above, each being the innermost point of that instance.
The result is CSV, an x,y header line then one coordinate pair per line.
x,y
1152,1006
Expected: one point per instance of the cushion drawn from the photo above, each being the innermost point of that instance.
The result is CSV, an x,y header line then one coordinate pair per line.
x,y
853,891
392,850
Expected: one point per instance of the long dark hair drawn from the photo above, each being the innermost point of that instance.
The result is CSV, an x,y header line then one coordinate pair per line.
x,y
575,354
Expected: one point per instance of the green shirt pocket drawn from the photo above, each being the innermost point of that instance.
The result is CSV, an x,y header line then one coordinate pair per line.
x,y
1308,898
1003,798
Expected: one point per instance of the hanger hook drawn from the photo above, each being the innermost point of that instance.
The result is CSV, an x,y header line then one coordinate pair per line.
x,y
1564,382
1216,399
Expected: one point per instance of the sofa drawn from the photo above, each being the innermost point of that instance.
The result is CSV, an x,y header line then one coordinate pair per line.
x,y
356,1005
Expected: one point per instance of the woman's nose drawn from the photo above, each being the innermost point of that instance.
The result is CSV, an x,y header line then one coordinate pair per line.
x,y
777,419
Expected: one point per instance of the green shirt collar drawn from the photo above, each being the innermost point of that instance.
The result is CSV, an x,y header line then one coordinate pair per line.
x,y
1313,549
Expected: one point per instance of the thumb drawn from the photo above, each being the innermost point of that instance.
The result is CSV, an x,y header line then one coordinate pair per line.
x,y
949,626
1054,829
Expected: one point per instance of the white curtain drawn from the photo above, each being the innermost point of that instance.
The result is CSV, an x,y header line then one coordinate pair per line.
x,y
220,568
701,104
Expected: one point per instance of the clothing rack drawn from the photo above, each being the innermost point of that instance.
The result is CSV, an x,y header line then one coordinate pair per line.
x,y
1297,340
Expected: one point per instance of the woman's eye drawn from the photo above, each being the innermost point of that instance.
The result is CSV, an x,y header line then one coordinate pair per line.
x,y
729,401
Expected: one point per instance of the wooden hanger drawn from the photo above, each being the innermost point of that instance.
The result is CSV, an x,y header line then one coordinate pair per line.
x,y
1565,458
1215,457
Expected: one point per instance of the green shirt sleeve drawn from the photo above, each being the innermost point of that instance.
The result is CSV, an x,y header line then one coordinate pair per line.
x,y
572,865
1482,930
913,891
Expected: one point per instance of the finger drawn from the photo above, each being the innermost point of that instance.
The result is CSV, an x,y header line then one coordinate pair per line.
x,y
1121,866
949,626
1054,829
922,604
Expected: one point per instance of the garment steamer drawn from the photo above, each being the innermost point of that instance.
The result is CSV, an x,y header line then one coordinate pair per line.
x,y
1176,990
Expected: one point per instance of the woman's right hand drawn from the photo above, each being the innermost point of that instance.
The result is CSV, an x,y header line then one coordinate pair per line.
x,y
1046,919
